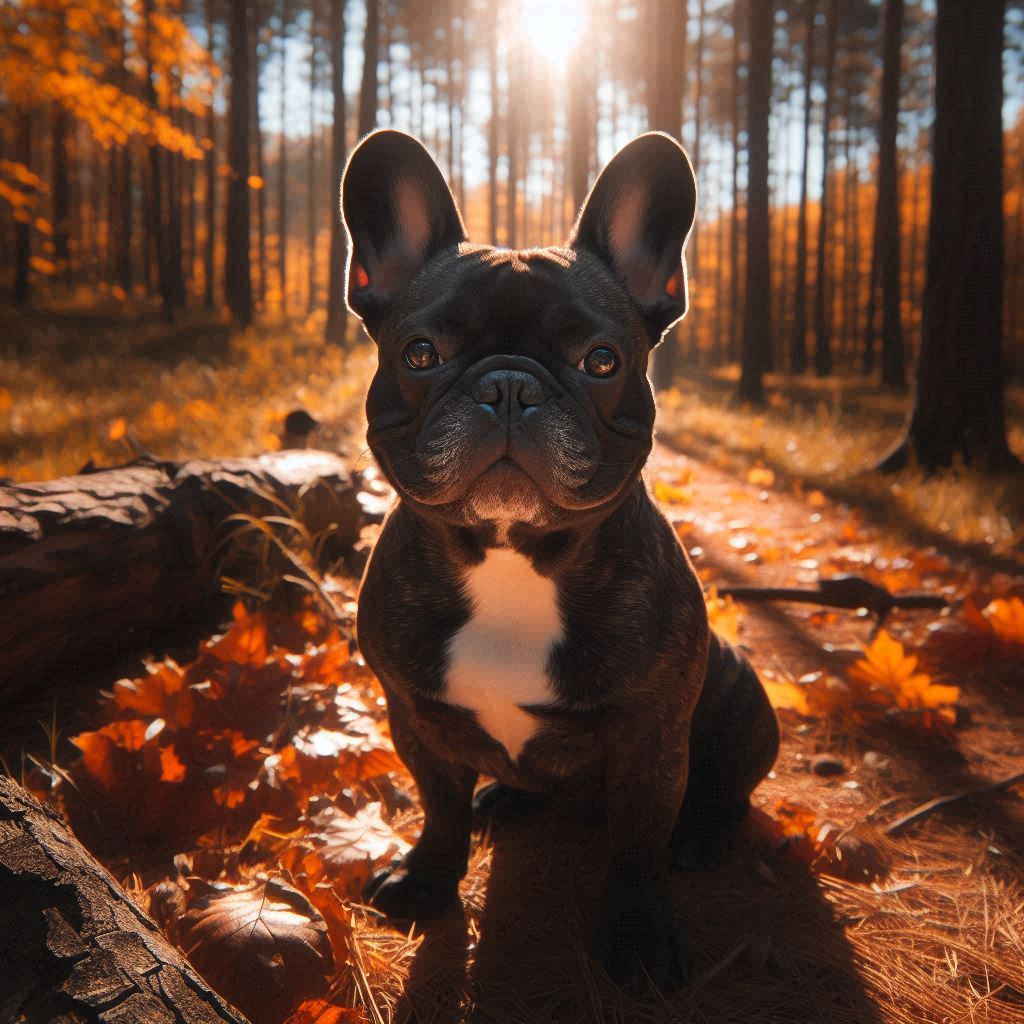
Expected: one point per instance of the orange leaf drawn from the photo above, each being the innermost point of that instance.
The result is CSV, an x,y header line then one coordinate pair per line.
x,y
317,1011
888,675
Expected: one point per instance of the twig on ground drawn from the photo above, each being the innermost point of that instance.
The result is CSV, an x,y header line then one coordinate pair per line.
x,y
900,825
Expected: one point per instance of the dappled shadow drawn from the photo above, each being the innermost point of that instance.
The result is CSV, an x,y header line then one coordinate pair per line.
x,y
768,946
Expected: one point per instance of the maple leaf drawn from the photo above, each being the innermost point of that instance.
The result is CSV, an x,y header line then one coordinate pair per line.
x,y
162,693
245,642
263,947
1003,618
888,675
345,849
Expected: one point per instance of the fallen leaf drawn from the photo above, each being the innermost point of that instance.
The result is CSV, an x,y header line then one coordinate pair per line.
x,y
723,615
162,693
760,476
887,675
317,1011
670,494
263,947
853,853
786,694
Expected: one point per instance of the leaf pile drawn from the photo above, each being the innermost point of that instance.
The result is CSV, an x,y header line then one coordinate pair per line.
x,y
264,770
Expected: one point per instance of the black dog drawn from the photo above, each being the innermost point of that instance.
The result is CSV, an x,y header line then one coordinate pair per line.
x,y
530,613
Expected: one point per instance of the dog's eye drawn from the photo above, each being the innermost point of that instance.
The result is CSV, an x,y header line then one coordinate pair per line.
x,y
421,354
599,362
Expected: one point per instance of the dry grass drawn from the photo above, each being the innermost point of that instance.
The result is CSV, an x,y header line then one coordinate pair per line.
x,y
103,383
829,435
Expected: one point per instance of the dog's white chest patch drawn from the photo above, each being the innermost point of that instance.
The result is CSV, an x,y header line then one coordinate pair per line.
x,y
498,659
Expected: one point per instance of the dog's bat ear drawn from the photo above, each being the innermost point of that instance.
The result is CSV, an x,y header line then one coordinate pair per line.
x,y
399,213
637,218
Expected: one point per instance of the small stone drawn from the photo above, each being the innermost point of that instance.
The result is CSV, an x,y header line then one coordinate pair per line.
x,y
827,764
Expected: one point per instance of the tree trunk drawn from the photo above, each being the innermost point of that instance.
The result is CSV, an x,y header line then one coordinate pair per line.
x,y
73,944
822,332
256,134
757,301
734,226
311,222
371,55
23,223
210,164
155,199
664,93
893,369
90,563
492,127
798,339
958,402
175,221
61,195
282,168
237,278
336,312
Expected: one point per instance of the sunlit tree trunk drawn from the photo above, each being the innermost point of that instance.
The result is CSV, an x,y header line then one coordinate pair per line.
x,y
734,228
666,76
282,165
798,339
371,55
210,167
175,240
311,190
888,236
493,138
256,135
238,280
336,313
822,327
958,407
757,301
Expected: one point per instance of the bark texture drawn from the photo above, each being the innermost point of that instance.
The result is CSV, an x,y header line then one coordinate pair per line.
x,y
73,945
93,566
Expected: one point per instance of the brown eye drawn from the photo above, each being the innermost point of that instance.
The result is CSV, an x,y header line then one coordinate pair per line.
x,y
421,354
599,362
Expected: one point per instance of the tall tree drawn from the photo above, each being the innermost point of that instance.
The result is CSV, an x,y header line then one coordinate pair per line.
x,y
23,219
757,301
371,57
798,340
664,86
282,162
958,401
334,333
887,221
822,331
493,139
210,166
735,299
237,277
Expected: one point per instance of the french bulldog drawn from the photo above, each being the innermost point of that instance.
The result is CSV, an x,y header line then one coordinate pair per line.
x,y
530,613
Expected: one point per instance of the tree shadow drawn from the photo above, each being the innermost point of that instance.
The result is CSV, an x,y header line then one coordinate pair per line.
x,y
768,945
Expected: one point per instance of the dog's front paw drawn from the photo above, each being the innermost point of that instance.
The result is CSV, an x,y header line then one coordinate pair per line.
x,y
412,892
652,945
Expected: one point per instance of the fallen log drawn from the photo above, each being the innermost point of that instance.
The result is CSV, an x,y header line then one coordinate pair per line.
x,y
96,565
73,945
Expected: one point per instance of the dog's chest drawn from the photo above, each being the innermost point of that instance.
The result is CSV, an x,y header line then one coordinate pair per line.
x,y
498,659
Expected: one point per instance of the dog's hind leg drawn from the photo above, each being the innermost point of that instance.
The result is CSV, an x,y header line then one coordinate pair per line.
x,y
734,740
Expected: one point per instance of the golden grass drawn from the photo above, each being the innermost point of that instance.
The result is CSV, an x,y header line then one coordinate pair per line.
x,y
830,437
104,384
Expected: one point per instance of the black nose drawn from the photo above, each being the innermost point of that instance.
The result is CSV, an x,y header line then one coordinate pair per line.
x,y
509,392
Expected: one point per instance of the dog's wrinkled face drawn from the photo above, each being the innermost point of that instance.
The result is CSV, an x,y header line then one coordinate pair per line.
x,y
511,386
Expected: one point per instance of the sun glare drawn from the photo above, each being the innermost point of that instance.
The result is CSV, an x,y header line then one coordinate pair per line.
x,y
551,28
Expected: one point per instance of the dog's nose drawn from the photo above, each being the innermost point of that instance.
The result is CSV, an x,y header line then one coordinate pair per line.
x,y
509,392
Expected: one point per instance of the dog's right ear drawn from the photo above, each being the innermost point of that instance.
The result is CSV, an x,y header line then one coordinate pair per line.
x,y
399,213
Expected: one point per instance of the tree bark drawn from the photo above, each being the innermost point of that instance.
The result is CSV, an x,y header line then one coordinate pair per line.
x,y
757,300
958,407
734,225
238,280
493,26
311,223
798,340
664,93
89,563
822,331
210,166
73,945
371,55
888,236
336,311
282,166
256,134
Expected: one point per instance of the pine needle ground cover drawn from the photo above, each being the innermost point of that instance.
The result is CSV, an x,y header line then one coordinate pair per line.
x,y
246,792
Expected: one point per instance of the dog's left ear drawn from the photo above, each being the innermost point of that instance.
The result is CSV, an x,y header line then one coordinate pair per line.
x,y
636,219
399,213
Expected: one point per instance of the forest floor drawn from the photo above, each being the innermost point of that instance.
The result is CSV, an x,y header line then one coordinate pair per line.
x,y
831,910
